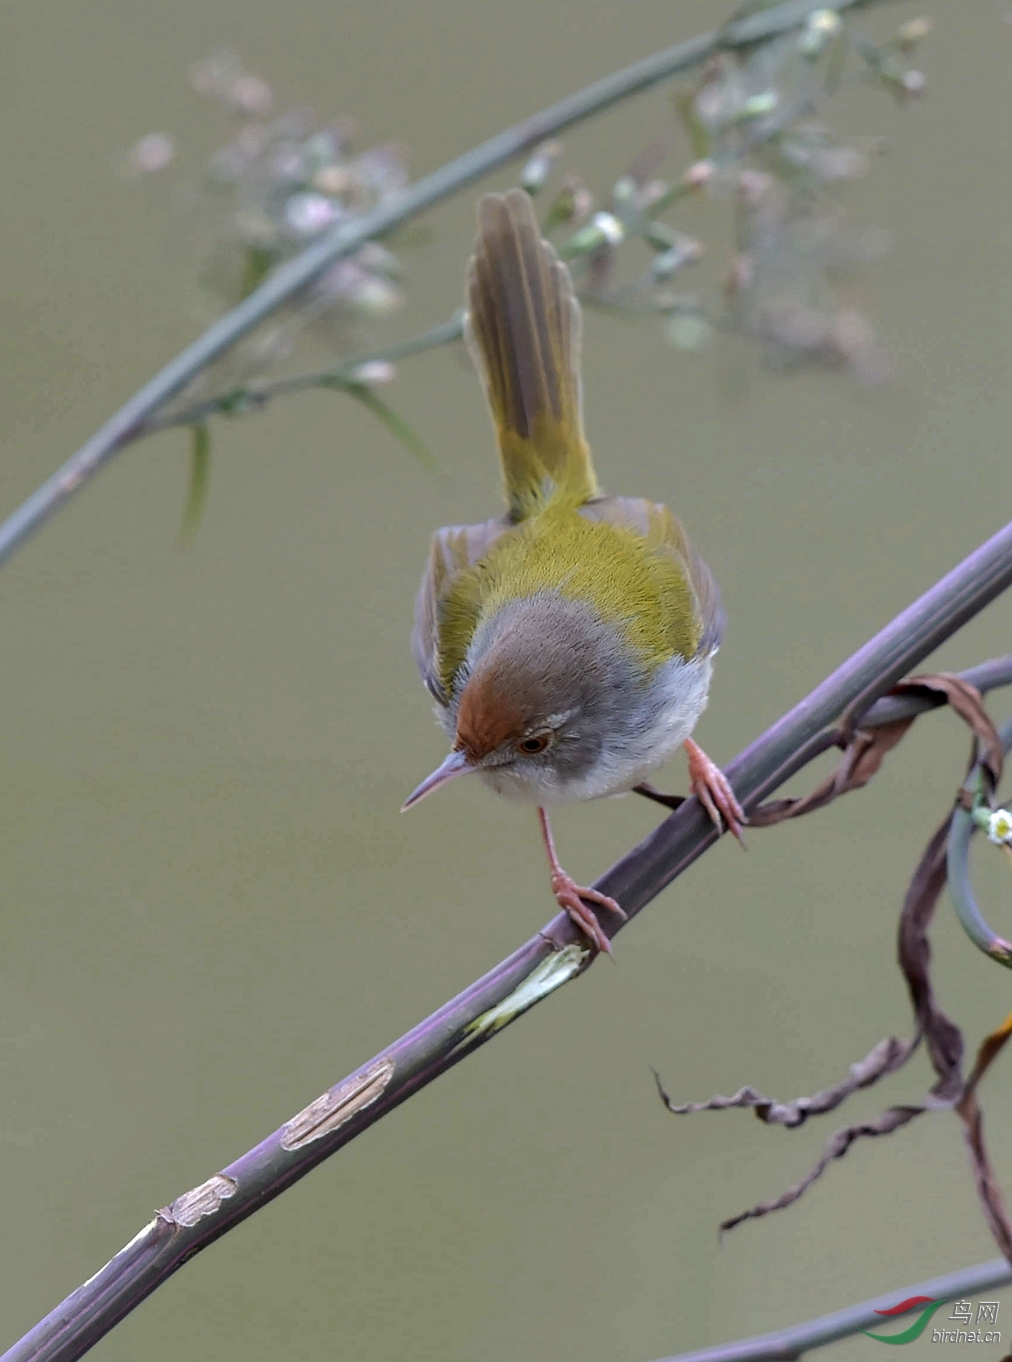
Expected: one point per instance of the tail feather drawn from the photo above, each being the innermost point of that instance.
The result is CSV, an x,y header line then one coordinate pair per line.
x,y
523,331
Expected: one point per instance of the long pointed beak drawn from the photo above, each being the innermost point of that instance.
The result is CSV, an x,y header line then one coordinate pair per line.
x,y
456,764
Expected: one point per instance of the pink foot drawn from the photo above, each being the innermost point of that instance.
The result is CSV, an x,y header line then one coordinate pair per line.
x,y
569,896
713,790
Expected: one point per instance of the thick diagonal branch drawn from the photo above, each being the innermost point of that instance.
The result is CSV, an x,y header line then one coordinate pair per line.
x,y
548,960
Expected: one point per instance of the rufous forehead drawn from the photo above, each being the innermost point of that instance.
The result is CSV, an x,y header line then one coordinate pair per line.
x,y
487,718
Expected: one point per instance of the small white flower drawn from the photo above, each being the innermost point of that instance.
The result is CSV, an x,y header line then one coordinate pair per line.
x,y
823,25
825,21
374,371
698,174
310,214
758,105
375,297
610,228
152,153
333,179
999,826
915,30
539,167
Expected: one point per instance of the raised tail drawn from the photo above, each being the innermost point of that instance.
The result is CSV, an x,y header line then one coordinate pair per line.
x,y
523,331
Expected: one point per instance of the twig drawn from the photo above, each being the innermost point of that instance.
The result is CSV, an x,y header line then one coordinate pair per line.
x,y
786,1344
253,396
288,279
543,964
257,393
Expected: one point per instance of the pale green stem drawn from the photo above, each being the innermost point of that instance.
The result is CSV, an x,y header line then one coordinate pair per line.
x,y
964,824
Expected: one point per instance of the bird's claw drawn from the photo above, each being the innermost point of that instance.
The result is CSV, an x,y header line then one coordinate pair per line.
x,y
713,790
570,897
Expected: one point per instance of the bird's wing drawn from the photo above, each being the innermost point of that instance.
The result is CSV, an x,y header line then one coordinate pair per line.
x,y
663,531
453,550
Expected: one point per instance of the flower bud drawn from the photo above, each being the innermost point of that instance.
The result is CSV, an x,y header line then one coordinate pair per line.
x,y
539,167
820,29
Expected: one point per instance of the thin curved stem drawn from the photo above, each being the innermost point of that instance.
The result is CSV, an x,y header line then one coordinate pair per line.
x,y
253,396
786,1344
256,394
961,892
288,279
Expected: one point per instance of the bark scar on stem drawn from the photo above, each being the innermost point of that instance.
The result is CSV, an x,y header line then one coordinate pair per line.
x,y
331,1110
206,1199
561,966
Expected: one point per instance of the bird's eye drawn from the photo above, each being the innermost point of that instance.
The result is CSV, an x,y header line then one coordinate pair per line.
x,y
536,743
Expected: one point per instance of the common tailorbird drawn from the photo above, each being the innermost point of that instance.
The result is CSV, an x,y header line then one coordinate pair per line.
x,y
569,643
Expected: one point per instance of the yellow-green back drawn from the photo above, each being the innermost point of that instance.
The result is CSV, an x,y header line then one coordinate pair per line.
x,y
630,580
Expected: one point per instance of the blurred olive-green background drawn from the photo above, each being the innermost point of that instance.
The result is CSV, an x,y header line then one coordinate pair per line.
x,y
211,907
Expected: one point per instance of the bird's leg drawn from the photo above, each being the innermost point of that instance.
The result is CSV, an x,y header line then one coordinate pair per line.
x,y
658,796
569,895
713,790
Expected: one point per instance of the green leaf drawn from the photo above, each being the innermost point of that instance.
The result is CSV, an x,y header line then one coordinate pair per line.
x,y
200,475
393,421
699,134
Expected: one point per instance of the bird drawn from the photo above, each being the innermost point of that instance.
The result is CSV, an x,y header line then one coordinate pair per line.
x,y
569,643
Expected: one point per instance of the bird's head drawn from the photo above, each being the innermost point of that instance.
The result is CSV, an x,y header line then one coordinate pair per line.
x,y
545,686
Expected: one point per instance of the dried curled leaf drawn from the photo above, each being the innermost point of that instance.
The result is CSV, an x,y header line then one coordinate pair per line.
x,y
990,1048
988,1191
968,703
835,1148
866,748
885,1058
862,757
943,1038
